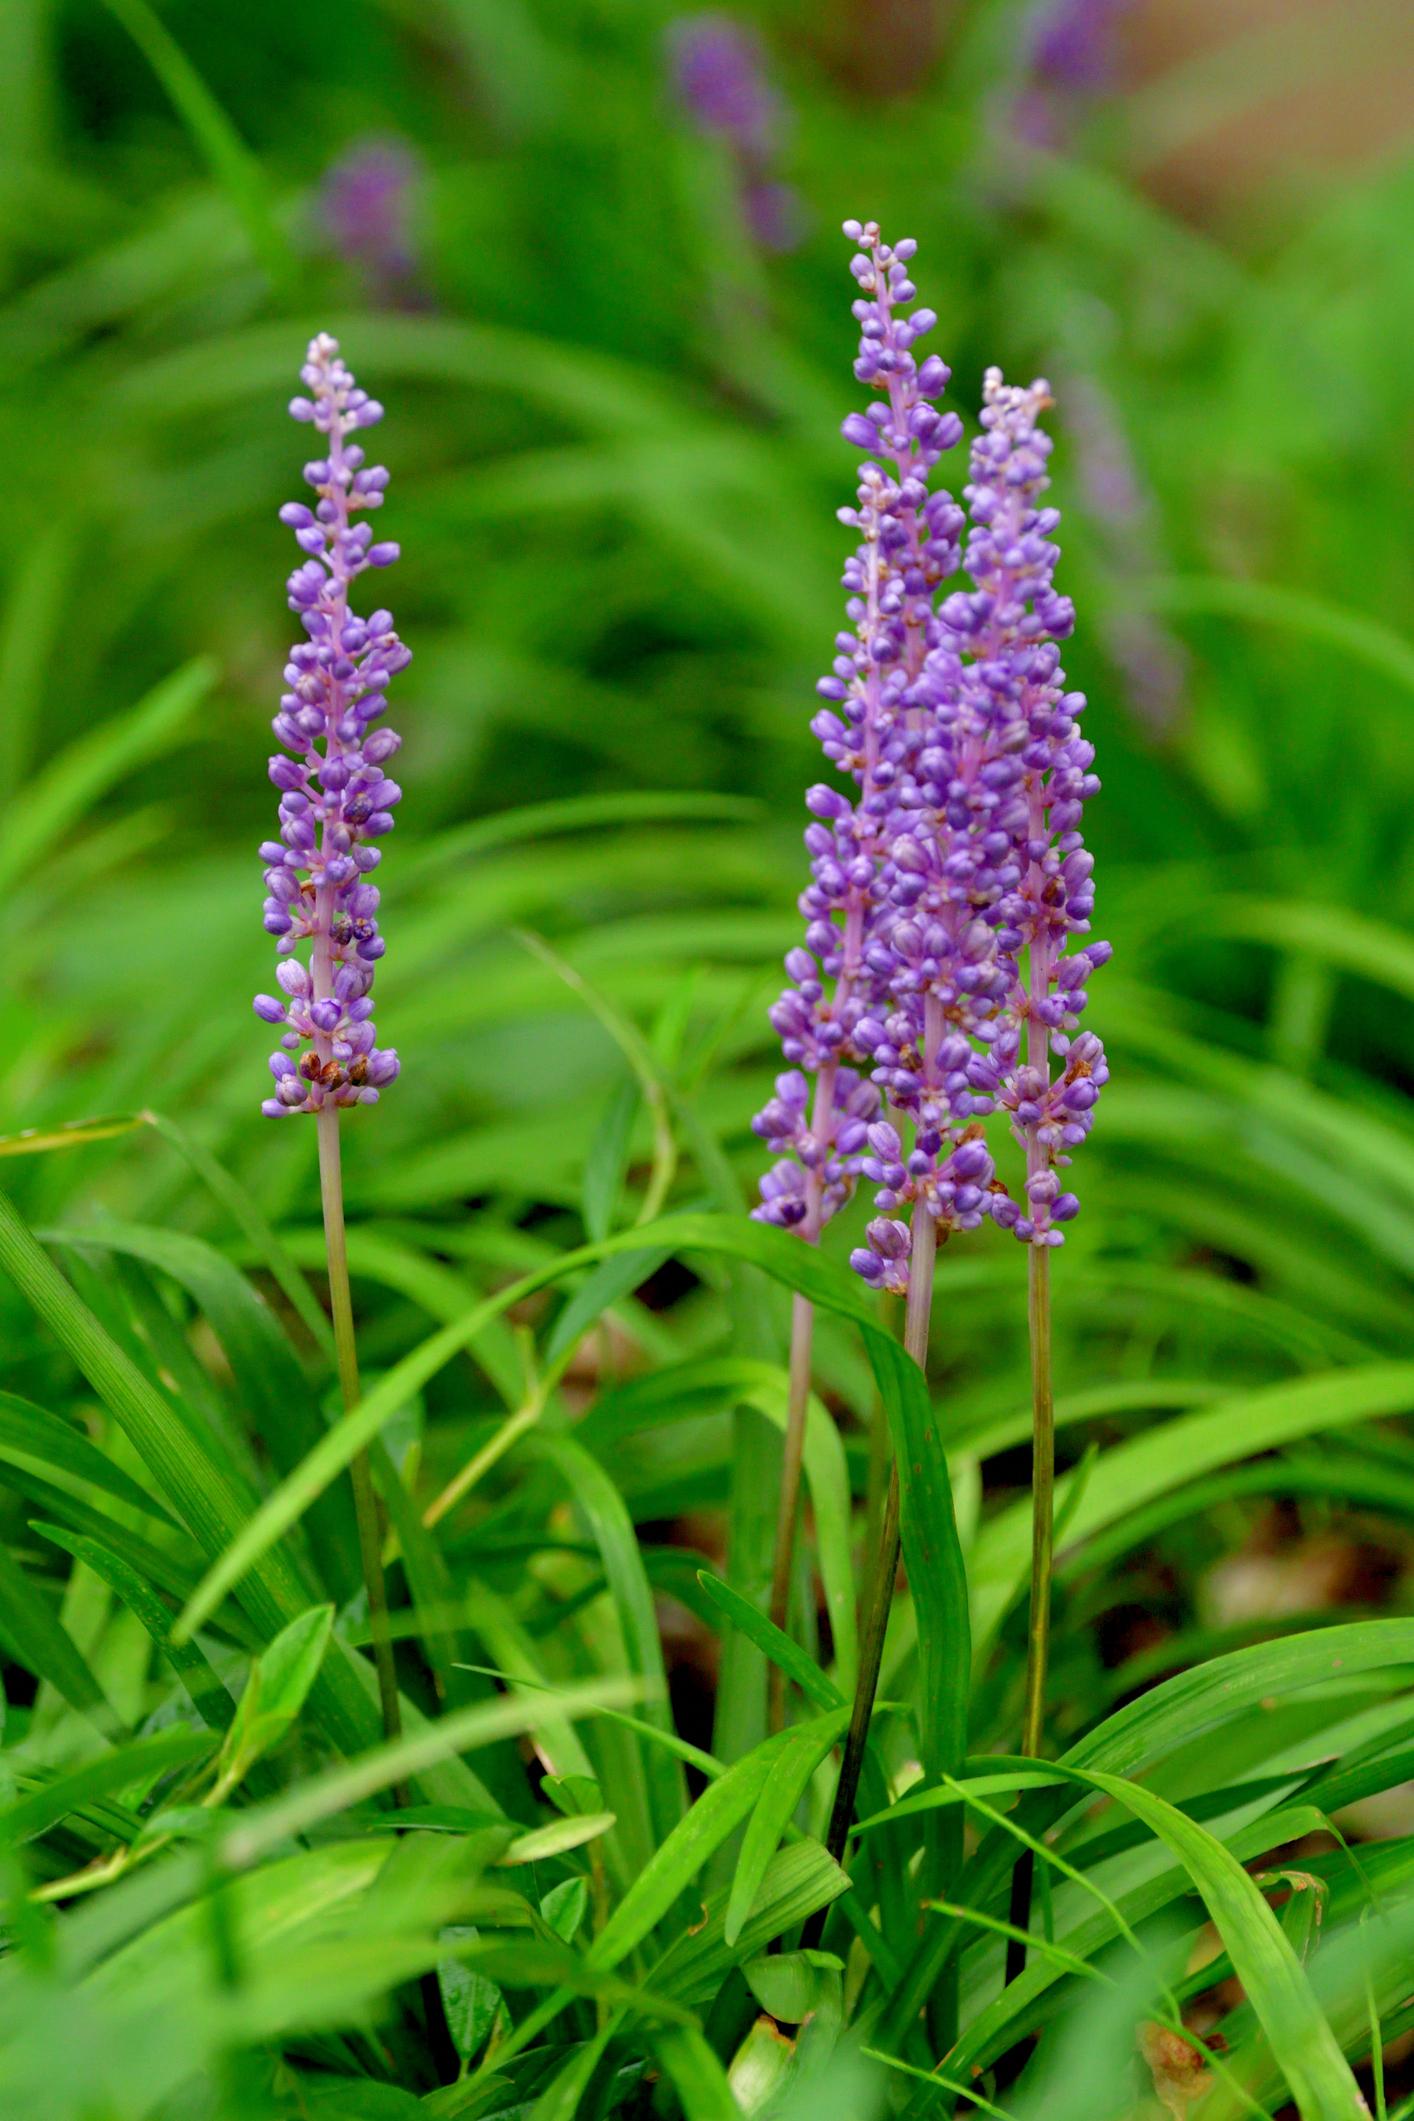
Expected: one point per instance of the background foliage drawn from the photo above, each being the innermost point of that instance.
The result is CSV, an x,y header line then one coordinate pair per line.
x,y
613,429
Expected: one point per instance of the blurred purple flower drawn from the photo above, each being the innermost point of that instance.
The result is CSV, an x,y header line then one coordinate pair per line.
x,y
1151,660
1108,474
774,214
365,210
335,794
1072,44
1069,58
718,72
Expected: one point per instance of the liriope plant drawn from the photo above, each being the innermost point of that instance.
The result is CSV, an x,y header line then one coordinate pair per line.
x,y
336,803
935,976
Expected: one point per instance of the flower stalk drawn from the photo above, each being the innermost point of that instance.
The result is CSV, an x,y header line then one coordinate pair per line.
x,y
1038,1633
907,546
370,1529
1043,1482
802,1344
875,1620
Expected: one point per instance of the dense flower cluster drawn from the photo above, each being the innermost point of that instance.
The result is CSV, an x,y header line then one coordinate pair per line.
x,y
908,546
943,897
335,795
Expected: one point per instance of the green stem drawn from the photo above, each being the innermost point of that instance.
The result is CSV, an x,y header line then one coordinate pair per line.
x,y
876,1479
802,1336
1043,1481
370,1534
875,1620
442,2055
802,1340
873,1627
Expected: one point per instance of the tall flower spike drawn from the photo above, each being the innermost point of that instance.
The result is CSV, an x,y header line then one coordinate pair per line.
x,y
986,863
1015,622
908,546
336,799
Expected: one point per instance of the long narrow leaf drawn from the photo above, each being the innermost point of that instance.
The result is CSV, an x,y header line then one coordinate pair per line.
x,y
94,762
210,1697
806,1747
799,1266
202,1495
45,1647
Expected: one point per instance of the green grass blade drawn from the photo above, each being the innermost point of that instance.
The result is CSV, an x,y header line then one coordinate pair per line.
x,y
937,1574
827,1478
32,1435
170,1570
792,1659
799,1266
607,1161
696,2075
801,1756
1179,1711
534,823
273,1390
717,1813
1154,1462
205,1498
1192,1702
72,782
677,1391
72,1134
1337,936
601,1508
798,1881
1321,2080
230,161
249,1217
209,1696
1296,611
138,1762
560,2101
45,1647
321,1797
278,1686
29,627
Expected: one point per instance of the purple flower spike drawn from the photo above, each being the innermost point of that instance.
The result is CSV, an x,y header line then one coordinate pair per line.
x,y
1012,701
334,793
937,968
827,1018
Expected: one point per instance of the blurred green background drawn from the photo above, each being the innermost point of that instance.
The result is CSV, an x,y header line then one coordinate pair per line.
x,y
614,368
